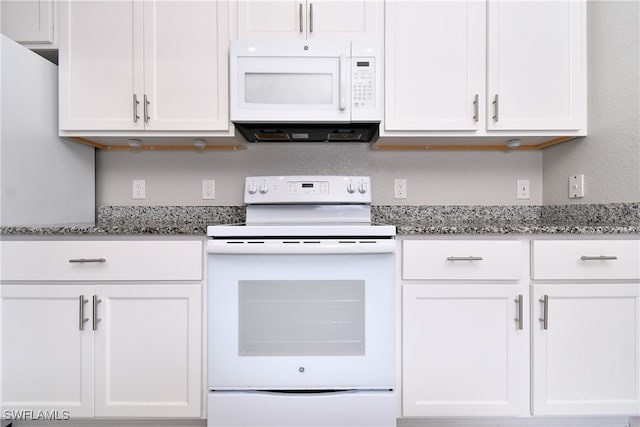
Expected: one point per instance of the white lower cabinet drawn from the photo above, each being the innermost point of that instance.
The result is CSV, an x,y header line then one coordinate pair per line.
x,y
464,329
465,354
586,327
102,348
463,350
47,361
148,351
586,349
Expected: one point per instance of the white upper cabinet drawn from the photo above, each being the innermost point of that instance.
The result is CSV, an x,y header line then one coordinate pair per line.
x,y
100,68
30,22
185,65
311,19
434,65
536,65
143,65
493,69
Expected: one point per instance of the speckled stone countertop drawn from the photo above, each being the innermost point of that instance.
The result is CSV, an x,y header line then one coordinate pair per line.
x,y
616,218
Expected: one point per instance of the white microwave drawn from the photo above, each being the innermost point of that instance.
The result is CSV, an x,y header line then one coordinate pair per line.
x,y
305,83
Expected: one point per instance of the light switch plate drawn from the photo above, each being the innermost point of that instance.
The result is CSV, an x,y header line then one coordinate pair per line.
x,y
522,191
576,186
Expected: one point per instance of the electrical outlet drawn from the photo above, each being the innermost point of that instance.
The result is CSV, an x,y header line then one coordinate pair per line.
x,y
400,188
208,189
576,186
522,191
138,189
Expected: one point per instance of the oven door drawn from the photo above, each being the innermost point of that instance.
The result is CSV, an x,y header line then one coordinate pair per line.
x,y
290,82
280,320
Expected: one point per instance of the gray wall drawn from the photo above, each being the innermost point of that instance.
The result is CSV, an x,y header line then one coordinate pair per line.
x,y
439,178
609,156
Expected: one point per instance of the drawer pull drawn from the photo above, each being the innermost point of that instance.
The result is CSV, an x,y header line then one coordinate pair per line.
x,y
88,260
464,258
545,312
519,319
598,258
96,301
82,320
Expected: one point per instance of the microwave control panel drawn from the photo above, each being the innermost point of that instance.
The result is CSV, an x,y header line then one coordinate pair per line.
x,y
363,76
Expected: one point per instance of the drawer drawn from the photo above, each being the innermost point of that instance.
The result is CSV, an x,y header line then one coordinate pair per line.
x,y
103,260
461,259
585,259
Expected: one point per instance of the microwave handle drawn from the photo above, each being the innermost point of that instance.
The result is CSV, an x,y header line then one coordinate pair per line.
x,y
342,95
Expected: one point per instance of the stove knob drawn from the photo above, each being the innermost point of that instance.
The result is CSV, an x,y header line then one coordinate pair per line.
x,y
362,188
252,189
264,189
351,189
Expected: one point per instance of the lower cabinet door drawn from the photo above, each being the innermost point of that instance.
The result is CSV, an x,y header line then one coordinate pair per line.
x,y
148,351
464,353
586,349
47,352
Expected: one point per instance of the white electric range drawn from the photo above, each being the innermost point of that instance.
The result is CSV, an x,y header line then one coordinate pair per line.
x,y
301,308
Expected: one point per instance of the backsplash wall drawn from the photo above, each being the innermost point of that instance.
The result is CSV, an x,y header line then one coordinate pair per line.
x,y
609,156
433,177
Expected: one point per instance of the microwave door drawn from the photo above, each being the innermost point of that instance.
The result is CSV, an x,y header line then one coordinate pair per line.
x,y
292,89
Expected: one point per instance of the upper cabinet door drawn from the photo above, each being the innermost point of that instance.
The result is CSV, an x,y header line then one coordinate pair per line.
x,y
350,20
536,65
185,65
311,19
434,66
28,21
100,65
277,19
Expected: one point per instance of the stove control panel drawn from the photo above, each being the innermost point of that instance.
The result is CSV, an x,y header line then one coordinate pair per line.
x,y
304,189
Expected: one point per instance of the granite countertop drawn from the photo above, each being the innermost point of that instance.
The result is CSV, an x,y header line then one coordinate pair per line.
x,y
617,218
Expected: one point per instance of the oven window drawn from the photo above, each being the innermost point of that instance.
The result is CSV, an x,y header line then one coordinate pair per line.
x,y
289,88
301,318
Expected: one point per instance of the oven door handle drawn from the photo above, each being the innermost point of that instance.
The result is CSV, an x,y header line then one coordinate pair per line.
x,y
347,246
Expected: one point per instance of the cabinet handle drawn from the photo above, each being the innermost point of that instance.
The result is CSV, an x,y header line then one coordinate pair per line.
x,y
81,260
135,108
311,17
300,16
146,109
545,312
520,306
495,108
81,319
475,108
464,258
598,258
96,301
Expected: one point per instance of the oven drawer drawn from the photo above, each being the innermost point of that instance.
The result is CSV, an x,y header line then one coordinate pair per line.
x,y
86,260
461,259
586,259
